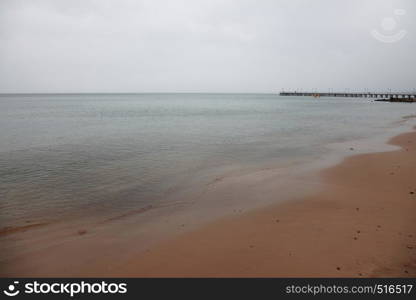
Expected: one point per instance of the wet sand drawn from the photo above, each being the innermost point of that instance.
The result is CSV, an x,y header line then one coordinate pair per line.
x,y
361,223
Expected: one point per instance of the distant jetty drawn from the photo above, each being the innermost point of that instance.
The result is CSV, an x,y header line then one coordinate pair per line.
x,y
389,97
393,99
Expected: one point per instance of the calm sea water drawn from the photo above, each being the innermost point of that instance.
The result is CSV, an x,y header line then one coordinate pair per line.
x,y
91,152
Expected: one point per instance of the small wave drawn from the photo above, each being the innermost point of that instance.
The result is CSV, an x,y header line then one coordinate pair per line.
x,y
14,229
130,213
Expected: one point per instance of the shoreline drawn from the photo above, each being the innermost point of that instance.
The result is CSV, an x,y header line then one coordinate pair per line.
x,y
361,225
209,242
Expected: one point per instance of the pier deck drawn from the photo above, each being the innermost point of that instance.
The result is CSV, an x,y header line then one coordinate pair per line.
x,y
410,97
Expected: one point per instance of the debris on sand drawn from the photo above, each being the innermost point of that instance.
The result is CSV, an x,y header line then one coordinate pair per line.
x,y
82,231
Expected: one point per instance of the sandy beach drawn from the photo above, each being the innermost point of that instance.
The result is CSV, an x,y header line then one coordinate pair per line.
x,y
213,139
361,223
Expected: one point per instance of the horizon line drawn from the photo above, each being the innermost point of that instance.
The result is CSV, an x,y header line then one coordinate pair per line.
x,y
214,93
129,93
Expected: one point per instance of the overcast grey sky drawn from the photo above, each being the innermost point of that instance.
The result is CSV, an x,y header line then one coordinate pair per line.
x,y
205,45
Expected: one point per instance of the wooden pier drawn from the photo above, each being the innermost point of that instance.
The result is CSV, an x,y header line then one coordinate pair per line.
x,y
393,97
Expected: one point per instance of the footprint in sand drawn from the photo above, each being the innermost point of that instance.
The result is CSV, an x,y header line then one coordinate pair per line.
x,y
82,231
